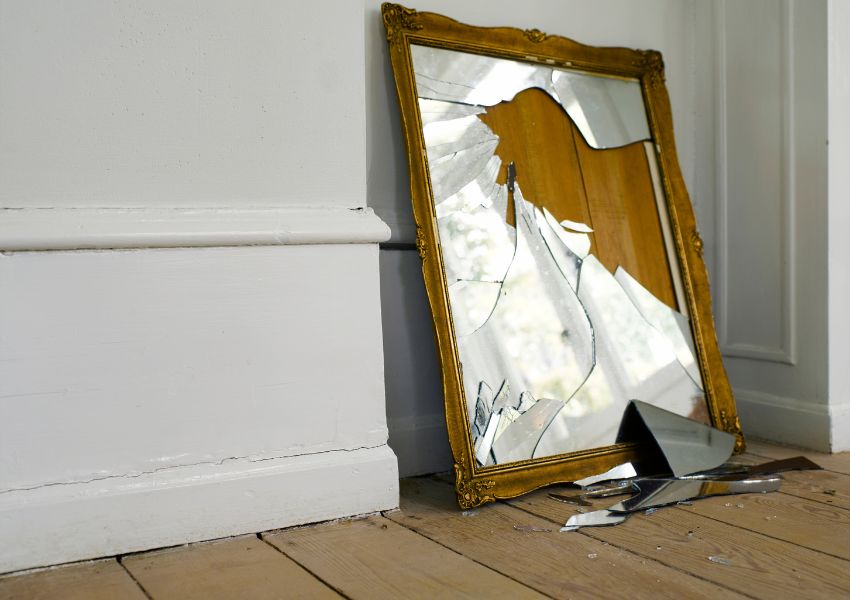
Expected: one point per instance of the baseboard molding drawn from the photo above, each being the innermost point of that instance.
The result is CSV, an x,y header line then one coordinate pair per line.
x,y
421,444
104,228
839,418
60,523
784,420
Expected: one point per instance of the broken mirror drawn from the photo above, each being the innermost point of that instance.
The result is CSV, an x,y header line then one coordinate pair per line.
x,y
552,227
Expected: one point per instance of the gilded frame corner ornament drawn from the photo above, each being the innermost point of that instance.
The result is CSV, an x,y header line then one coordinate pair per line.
x,y
398,18
404,26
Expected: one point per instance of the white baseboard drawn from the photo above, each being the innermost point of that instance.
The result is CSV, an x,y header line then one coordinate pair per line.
x,y
839,417
68,522
95,228
785,420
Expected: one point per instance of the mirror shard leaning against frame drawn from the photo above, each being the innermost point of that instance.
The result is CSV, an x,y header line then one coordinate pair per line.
x,y
560,253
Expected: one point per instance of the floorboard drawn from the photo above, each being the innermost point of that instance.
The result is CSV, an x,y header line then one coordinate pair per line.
x,y
377,558
98,580
243,567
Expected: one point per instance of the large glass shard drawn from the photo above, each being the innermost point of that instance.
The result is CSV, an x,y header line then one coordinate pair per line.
x,y
673,324
481,191
682,446
646,363
662,492
452,172
608,111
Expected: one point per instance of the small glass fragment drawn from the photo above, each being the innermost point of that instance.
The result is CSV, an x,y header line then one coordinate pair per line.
x,y
592,555
720,560
597,518
576,226
728,505
615,488
469,513
658,547
577,499
739,505
622,471
532,529
649,511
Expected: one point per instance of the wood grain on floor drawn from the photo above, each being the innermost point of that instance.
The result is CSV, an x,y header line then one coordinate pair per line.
x,y
794,543
97,580
243,567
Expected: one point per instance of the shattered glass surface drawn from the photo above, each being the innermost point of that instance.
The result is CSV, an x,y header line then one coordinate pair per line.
x,y
608,111
552,345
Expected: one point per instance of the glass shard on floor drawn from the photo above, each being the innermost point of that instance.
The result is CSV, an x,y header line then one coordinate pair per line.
x,y
663,492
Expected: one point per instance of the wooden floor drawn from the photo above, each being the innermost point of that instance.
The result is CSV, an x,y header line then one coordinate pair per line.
x,y
791,544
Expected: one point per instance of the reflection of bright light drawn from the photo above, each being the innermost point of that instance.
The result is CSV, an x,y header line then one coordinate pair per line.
x,y
567,97
500,80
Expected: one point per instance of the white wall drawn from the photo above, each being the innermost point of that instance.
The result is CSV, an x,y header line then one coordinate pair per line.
x,y
222,373
161,103
771,284
838,24
678,29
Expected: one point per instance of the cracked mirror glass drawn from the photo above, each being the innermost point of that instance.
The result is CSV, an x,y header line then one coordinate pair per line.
x,y
608,111
553,341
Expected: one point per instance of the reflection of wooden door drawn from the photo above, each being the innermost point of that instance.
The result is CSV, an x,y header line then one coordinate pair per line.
x,y
609,190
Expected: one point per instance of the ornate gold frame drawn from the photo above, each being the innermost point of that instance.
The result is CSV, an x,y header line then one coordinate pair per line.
x,y
404,26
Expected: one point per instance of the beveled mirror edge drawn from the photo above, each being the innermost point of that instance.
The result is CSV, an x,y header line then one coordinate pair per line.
x,y
476,486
